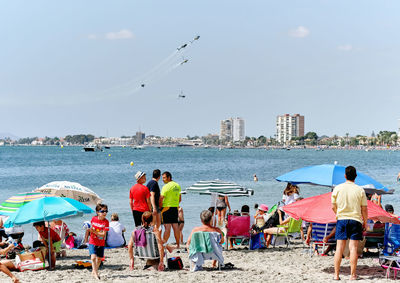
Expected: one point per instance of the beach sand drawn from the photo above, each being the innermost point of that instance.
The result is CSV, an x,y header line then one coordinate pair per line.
x,y
278,264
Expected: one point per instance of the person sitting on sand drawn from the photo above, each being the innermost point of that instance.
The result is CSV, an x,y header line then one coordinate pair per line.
x,y
115,235
7,265
274,230
52,243
148,225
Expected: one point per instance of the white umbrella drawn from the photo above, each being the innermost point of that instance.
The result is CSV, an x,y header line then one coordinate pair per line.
x,y
71,190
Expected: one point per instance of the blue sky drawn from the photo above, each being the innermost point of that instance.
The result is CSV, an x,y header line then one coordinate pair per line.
x,y
70,67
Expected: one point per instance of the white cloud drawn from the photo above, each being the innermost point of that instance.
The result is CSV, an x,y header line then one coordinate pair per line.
x,y
346,47
92,36
122,34
299,32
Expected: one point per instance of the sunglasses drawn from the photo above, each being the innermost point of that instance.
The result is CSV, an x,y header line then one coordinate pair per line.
x,y
103,211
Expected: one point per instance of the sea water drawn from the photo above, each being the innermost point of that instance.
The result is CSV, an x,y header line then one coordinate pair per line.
x,y
110,175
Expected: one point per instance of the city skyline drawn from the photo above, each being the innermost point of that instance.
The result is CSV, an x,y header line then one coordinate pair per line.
x,y
115,68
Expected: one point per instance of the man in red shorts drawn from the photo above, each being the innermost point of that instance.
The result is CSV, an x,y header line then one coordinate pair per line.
x,y
139,198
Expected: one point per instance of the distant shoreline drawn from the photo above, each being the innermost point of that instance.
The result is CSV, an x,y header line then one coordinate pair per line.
x,y
287,148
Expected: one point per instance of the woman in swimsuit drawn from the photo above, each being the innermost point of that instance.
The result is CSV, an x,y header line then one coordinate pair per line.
x,y
181,223
222,203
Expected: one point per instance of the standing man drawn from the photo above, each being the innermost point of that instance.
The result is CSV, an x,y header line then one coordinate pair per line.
x,y
350,206
169,201
155,196
139,198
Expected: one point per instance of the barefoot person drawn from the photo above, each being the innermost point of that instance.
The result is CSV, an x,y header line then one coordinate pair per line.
x,y
155,196
97,241
350,206
7,265
170,199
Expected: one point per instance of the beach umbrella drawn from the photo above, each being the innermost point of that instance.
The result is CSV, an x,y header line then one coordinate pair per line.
x,y
220,187
46,209
12,204
70,190
331,175
318,209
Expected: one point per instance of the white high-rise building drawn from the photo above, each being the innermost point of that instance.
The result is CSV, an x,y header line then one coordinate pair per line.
x,y
237,129
232,129
288,126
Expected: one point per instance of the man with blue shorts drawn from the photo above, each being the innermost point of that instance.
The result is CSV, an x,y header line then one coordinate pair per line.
x,y
349,203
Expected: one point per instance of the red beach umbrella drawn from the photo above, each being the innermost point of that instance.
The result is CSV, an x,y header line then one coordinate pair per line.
x,y
318,209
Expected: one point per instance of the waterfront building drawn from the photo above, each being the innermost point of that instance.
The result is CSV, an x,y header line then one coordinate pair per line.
x,y
237,129
140,136
232,129
289,126
226,130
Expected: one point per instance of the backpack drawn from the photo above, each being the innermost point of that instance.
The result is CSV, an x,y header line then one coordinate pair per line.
x,y
175,263
140,237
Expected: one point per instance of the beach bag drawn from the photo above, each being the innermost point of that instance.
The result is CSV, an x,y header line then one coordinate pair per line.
x,y
140,237
70,242
257,241
175,263
31,264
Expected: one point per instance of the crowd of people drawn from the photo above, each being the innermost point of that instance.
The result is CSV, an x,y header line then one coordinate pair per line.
x,y
158,211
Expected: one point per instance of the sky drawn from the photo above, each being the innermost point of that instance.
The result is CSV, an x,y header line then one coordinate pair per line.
x,y
72,67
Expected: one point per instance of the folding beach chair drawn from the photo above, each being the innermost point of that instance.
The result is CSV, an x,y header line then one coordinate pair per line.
x,y
150,251
389,257
294,226
318,233
374,234
238,227
205,246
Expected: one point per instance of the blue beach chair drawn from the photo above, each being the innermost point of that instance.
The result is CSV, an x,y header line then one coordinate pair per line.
x,y
389,257
319,232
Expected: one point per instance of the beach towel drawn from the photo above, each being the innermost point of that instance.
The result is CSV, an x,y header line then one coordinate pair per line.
x,y
205,246
200,243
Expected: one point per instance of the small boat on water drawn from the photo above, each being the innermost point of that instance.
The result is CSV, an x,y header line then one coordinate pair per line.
x,y
92,147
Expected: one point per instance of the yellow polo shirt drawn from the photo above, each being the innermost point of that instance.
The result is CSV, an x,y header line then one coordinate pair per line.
x,y
349,198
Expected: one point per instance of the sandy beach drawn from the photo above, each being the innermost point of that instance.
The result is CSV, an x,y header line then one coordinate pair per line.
x,y
278,264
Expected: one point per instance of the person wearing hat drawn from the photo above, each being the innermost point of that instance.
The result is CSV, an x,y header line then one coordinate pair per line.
x,y
139,198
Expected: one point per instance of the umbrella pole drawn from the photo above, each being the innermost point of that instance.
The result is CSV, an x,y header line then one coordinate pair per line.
x,y
215,210
48,243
